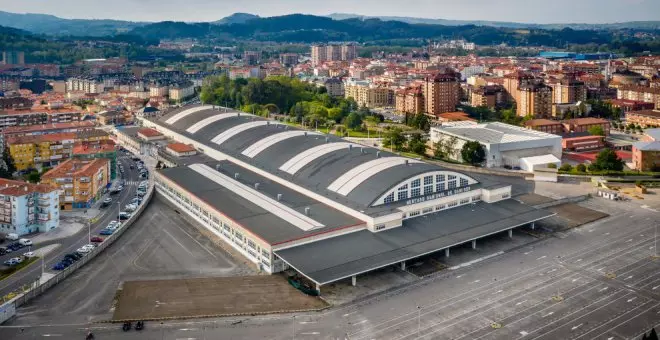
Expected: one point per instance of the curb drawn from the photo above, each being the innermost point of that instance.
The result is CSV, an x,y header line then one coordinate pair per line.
x,y
219,315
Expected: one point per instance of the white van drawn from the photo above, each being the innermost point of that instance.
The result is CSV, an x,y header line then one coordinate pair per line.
x,y
25,242
12,236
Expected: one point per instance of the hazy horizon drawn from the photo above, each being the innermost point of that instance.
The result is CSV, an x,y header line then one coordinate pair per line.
x,y
523,11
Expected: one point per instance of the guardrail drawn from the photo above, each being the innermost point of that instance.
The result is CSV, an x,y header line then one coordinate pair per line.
x,y
9,308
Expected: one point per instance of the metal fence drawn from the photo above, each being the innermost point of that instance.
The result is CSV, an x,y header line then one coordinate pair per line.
x,y
25,297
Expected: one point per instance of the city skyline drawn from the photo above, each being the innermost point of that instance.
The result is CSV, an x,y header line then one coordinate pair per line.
x,y
586,11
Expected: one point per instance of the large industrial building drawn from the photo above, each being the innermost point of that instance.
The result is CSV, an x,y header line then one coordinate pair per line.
x,y
320,205
505,145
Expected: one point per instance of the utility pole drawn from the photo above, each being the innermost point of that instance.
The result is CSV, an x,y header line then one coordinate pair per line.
x,y
419,322
293,324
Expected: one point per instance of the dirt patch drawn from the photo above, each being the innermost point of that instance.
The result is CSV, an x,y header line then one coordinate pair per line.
x,y
571,215
210,297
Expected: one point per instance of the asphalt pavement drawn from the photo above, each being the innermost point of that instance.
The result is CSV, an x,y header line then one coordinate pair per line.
x,y
68,245
598,281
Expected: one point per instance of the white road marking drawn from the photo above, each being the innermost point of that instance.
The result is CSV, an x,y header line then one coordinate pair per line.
x,y
187,329
552,271
654,288
632,299
47,335
523,333
520,303
347,314
574,280
545,316
459,276
361,322
306,322
629,240
629,277
578,260
607,234
576,327
311,333
499,291
601,269
591,230
542,257
527,253
476,281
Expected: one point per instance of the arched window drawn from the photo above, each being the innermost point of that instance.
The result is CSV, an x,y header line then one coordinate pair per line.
x,y
425,184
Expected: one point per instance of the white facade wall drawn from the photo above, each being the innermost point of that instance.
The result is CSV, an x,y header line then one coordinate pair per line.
x,y
32,212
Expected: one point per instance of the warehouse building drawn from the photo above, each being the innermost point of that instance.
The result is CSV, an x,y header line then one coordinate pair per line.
x,y
505,145
320,205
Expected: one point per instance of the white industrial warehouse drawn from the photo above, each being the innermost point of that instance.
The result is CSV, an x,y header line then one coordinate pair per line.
x,y
505,145
320,205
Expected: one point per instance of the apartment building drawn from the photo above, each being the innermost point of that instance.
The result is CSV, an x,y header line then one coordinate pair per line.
x,y
182,90
289,59
9,83
545,125
512,81
46,129
640,93
159,89
251,58
645,118
534,99
584,124
80,182
321,53
38,151
105,149
85,85
333,52
441,92
646,153
348,52
27,208
13,58
369,95
568,91
335,87
20,117
15,103
410,100
490,96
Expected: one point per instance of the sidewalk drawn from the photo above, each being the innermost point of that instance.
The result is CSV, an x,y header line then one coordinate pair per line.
x,y
71,222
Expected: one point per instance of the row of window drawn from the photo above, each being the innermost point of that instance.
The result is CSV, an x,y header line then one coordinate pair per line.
x,y
439,207
231,235
431,184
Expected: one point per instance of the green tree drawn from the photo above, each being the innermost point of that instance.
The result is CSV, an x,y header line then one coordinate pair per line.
x,y
566,167
473,152
394,138
34,177
353,121
439,150
7,168
581,168
607,159
597,130
417,144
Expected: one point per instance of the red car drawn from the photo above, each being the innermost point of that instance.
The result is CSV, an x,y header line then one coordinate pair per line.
x,y
96,239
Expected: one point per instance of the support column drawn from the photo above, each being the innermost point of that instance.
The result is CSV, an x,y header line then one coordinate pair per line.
x,y
447,252
354,280
510,233
533,226
474,244
318,288
403,265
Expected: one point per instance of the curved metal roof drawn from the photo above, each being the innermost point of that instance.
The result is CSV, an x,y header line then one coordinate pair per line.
x,y
300,160
354,177
205,122
227,134
269,141
173,119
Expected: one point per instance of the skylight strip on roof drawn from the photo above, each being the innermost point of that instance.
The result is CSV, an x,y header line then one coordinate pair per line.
x,y
258,147
352,178
226,135
273,206
205,122
299,161
186,113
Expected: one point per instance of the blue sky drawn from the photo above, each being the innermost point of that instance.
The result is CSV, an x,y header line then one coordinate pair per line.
x,y
536,11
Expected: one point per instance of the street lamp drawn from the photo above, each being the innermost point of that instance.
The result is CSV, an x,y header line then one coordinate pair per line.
x,y
293,324
419,322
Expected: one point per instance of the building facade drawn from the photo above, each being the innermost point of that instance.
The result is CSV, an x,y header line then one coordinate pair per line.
x,y
645,118
80,182
568,91
534,99
27,208
410,100
441,92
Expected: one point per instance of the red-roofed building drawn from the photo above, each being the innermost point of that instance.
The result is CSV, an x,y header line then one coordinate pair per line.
x,y
149,135
81,182
180,149
106,149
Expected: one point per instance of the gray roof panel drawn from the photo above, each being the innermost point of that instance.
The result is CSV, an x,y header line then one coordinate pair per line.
x,y
339,257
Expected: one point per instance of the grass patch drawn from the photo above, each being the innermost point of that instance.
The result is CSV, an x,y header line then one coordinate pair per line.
x,y
7,272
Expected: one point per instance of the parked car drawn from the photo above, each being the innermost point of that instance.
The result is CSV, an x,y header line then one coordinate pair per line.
x,y
73,256
29,254
12,236
3,251
106,232
25,242
83,250
132,167
124,215
96,239
13,261
59,266
106,202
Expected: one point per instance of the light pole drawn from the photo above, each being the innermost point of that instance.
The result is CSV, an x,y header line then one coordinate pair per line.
x,y
419,321
293,327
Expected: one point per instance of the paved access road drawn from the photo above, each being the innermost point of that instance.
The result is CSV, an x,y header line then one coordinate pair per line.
x,y
513,291
70,244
